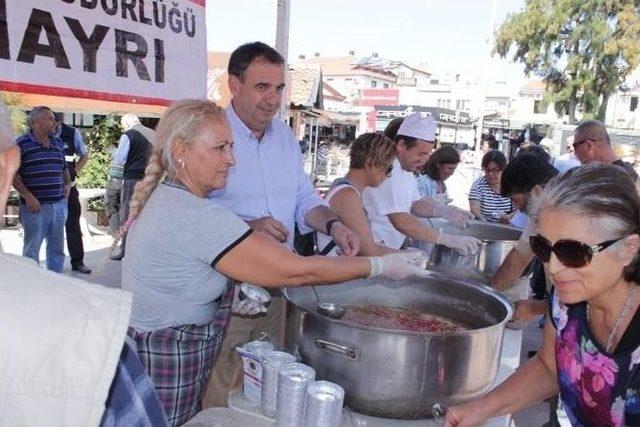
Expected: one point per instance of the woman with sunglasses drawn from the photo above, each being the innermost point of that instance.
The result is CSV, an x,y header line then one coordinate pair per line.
x,y
485,201
371,162
587,237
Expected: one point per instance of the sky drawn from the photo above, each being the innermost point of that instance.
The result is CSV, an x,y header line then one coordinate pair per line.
x,y
452,36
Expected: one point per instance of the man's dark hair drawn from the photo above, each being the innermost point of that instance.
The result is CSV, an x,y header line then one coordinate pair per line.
x,y
524,172
530,147
244,55
495,156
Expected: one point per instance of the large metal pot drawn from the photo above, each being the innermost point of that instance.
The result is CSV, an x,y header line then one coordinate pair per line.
x,y
497,241
402,374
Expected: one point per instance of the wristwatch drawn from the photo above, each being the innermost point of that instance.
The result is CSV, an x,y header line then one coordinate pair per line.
x,y
330,224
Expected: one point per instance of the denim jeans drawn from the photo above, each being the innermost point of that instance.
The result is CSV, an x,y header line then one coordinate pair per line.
x,y
48,224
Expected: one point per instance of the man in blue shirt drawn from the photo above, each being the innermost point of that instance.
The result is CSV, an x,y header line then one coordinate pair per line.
x,y
76,156
267,187
43,182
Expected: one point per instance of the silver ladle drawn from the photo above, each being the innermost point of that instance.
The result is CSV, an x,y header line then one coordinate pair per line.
x,y
329,309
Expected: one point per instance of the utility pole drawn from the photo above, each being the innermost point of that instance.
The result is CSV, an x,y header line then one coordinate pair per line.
x,y
282,46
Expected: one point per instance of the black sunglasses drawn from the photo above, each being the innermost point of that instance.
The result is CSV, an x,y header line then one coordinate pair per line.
x,y
389,169
571,253
576,144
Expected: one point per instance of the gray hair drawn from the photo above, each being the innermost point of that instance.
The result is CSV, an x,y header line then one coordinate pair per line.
x,y
594,128
36,113
602,192
129,120
7,138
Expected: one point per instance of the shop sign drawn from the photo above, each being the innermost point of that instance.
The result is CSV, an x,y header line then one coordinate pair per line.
x,y
371,97
496,123
440,115
135,51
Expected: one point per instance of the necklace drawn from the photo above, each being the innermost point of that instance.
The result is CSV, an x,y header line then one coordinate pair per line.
x,y
619,319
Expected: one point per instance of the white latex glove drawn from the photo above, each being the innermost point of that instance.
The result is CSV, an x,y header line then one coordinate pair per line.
x,y
398,266
465,245
248,306
440,199
454,215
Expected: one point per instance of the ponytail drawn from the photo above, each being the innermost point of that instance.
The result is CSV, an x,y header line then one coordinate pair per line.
x,y
152,176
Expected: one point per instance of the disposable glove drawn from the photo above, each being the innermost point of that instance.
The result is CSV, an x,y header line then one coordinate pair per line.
x,y
398,266
249,300
465,245
454,215
440,199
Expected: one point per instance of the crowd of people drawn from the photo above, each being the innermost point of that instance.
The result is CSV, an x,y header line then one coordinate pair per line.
x,y
209,201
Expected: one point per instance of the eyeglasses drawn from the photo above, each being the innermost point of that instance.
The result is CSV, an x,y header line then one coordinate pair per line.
x,y
570,253
389,169
576,144
493,171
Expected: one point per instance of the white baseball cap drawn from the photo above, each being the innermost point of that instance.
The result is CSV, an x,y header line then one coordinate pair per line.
x,y
420,126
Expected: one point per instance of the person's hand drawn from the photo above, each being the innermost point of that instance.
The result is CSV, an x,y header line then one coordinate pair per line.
x,y
506,218
529,309
346,240
271,227
454,215
466,415
67,190
398,265
440,199
247,306
465,245
33,205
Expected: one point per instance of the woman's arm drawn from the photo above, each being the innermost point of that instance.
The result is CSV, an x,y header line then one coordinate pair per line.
x,y
533,382
347,204
474,207
261,261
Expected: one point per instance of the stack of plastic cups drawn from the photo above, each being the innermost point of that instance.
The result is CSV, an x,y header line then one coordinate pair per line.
x,y
323,405
251,354
271,362
293,380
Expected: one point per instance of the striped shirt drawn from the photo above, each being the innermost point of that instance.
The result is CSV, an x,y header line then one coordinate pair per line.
x,y
42,168
492,205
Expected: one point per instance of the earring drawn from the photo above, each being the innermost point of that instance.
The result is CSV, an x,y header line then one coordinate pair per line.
x,y
181,163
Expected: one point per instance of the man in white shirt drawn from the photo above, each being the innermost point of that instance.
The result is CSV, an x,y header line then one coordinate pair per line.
x,y
568,160
268,188
393,207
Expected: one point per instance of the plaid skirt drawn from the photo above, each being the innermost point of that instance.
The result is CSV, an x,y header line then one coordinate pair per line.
x,y
179,360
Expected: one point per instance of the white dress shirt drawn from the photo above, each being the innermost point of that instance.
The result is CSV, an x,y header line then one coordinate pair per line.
x,y
268,178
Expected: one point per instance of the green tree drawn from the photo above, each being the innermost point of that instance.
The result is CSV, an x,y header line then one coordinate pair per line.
x,y
582,49
18,117
99,141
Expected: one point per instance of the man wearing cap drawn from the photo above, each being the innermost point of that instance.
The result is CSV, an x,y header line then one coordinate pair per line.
x,y
394,205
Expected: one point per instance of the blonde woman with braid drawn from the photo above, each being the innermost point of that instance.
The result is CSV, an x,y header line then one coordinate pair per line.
x,y
185,254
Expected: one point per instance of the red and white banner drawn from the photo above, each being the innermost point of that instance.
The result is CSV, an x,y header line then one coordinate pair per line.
x,y
135,51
